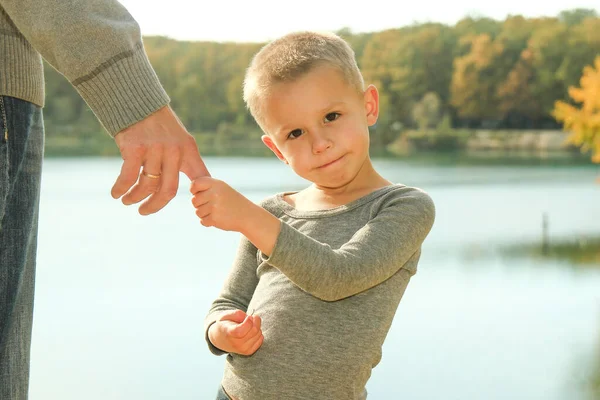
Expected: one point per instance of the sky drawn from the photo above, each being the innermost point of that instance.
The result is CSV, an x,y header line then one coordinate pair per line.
x,y
263,20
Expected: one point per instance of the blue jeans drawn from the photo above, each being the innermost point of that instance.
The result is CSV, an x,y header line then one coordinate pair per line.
x,y
221,395
21,154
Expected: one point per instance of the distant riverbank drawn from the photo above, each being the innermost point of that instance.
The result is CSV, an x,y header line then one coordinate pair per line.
x,y
478,140
465,144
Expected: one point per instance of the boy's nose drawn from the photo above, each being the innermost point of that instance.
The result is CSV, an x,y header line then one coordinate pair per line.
x,y
320,143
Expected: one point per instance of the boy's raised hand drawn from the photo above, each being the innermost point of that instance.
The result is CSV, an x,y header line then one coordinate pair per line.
x,y
218,204
237,332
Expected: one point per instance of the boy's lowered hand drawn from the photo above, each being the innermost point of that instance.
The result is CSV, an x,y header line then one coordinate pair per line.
x,y
237,332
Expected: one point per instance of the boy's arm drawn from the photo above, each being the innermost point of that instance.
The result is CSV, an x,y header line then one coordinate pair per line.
x,y
373,254
237,289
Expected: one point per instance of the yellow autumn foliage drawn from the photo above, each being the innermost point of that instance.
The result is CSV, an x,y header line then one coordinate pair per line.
x,y
583,123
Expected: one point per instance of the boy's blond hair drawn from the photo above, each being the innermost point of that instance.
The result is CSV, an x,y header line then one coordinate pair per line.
x,y
293,55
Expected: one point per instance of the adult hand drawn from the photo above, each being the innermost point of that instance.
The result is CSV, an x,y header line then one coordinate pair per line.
x,y
236,332
154,151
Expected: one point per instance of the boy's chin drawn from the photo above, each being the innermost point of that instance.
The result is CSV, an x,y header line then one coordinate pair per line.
x,y
332,184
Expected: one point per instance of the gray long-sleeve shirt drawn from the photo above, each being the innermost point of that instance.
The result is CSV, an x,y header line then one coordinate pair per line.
x,y
96,45
326,295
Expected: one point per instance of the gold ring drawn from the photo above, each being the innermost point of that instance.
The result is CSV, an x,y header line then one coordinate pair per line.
x,y
150,175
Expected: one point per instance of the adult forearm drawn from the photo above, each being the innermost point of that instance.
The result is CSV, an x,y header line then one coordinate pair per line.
x,y
97,46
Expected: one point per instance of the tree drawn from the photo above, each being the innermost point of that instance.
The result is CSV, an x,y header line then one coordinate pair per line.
x,y
475,78
383,65
475,25
583,123
427,112
582,45
574,17
516,71
405,64
548,47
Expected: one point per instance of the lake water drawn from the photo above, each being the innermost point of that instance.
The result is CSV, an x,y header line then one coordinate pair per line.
x,y
121,298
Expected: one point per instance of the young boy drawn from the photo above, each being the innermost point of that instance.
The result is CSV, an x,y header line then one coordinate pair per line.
x,y
323,269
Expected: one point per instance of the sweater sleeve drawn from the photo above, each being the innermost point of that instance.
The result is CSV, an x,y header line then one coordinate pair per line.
x,y
373,254
97,46
237,290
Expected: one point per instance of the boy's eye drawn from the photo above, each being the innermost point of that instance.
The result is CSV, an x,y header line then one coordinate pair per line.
x,y
332,116
296,133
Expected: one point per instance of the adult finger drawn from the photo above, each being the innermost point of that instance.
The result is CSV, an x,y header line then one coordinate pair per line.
x,y
169,183
149,179
128,176
192,164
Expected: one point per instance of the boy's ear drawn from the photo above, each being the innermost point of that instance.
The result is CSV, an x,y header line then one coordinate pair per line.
x,y
266,139
371,97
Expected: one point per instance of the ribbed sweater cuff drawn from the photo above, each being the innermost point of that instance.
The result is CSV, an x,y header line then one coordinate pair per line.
x,y
123,90
21,70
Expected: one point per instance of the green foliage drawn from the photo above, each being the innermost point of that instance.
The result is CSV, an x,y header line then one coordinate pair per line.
x,y
479,70
583,252
574,17
427,112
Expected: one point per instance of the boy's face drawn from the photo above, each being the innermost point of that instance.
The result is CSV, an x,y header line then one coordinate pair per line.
x,y
319,125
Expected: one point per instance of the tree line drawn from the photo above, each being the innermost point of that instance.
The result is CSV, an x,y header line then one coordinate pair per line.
x,y
478,73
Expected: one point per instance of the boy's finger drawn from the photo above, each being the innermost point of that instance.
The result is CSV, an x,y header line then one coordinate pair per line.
x,y
207,222
203,211
237,316
257,321
252,333
200,184
254,344
199,199
242,329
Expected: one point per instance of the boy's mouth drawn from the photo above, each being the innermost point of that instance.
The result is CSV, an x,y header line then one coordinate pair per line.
x,y
330,163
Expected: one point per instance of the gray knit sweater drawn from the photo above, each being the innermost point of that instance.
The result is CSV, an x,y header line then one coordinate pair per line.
x,y
326,295
96,45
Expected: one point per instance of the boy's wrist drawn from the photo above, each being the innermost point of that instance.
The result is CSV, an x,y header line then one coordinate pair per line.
x,y
212,335
250,218
261,228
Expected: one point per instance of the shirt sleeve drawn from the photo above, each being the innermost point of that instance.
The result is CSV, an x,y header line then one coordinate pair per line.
x,y
373,254
237,290
97,46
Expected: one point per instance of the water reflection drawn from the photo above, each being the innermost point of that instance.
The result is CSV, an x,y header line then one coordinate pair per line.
x,y
489,315
580,252
594,381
